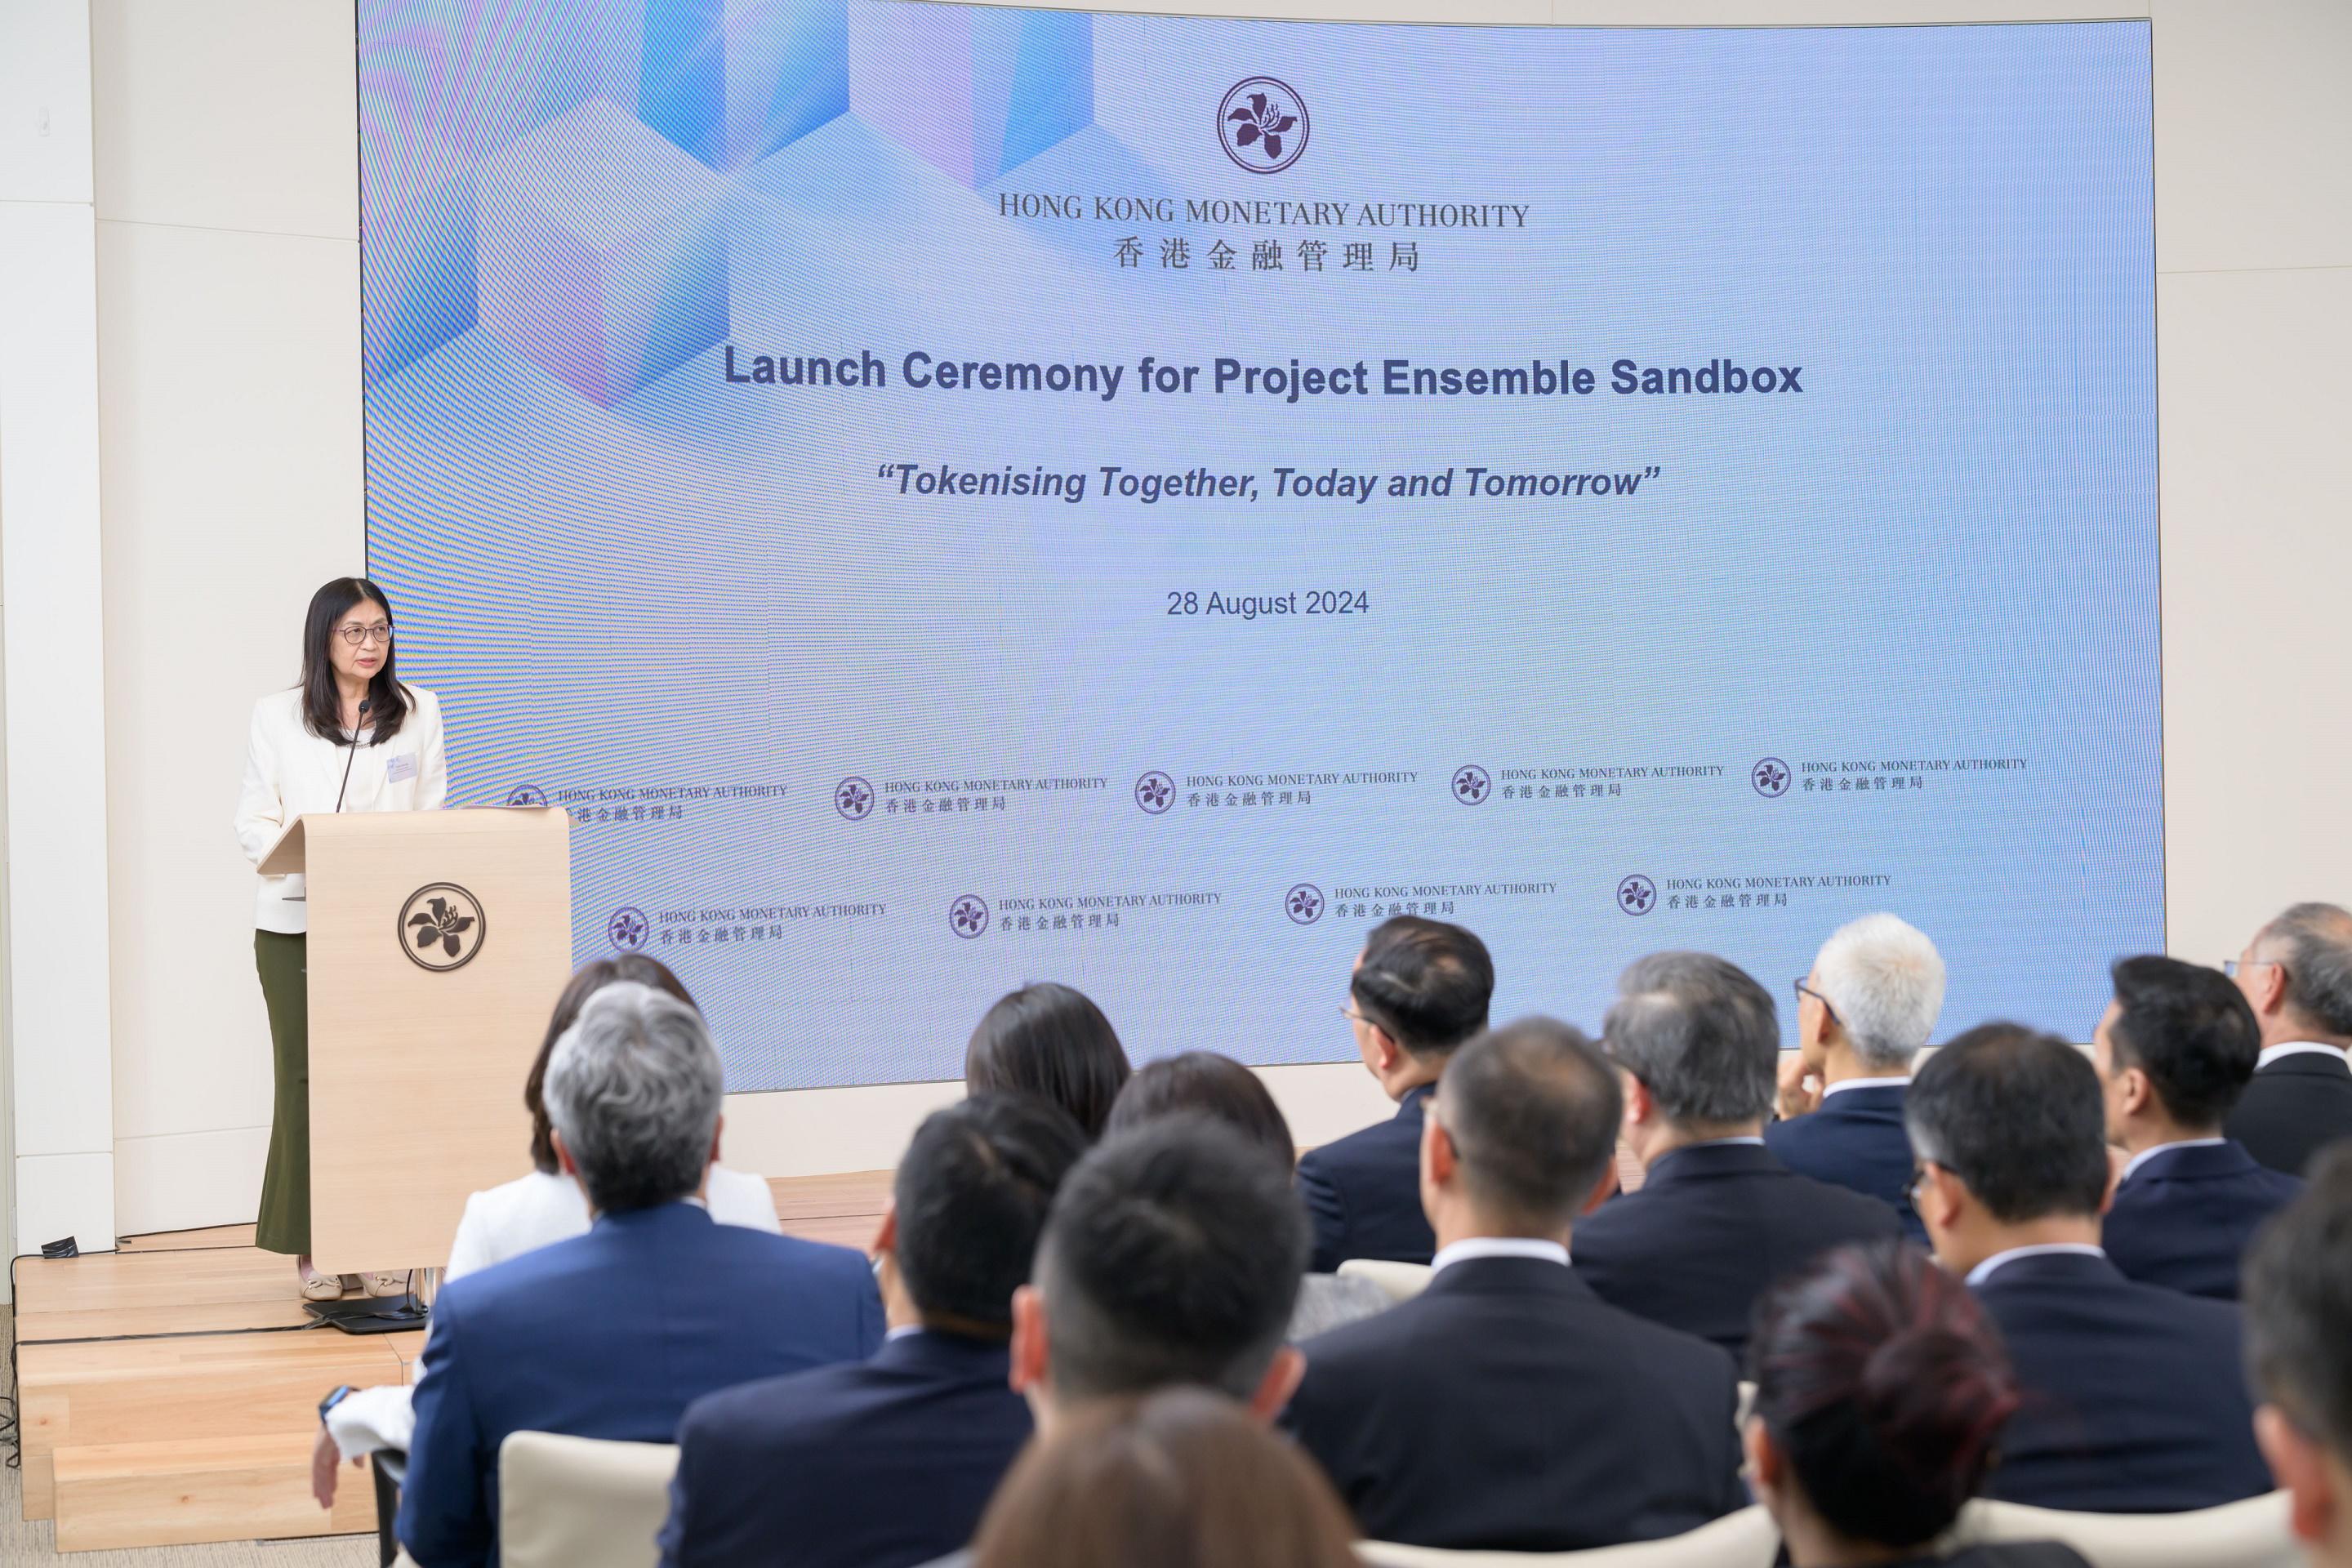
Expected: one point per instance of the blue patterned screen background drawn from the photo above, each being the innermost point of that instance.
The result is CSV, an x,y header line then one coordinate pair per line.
x,y
708,480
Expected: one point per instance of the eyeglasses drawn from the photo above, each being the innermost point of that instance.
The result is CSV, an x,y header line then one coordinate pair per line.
x,y
1803,991
1918,1180
356,636
2233,967
1355,1018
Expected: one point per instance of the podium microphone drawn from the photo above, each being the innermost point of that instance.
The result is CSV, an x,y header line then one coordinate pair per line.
x,y
365,702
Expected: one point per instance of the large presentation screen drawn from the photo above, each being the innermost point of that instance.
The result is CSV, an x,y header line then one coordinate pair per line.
x,y
948,497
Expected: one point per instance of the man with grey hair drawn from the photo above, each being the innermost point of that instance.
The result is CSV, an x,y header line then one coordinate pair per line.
x,y
1719,1219
1869,1004
614,1333
2297,975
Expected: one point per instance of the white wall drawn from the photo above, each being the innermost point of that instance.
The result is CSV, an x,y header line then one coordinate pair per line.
x,y
54,1009
227,268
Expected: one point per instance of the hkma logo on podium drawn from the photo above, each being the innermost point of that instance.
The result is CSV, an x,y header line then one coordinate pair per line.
x,y
441,927
1261,125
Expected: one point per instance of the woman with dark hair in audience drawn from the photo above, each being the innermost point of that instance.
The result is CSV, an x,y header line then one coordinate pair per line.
x,y
1050,1041
1180,1479
1880,1391
1202,1083
515,1218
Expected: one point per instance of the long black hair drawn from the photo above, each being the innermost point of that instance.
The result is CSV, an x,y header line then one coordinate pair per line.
x,y
1052,1042
322,705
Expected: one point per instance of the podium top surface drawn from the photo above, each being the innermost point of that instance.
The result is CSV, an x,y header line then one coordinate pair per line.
x,y
287,854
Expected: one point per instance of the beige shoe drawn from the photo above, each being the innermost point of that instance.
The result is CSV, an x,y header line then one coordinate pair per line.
x,y
387,1284
318,1286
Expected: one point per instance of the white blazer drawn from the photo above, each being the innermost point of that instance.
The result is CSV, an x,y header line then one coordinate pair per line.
x,y
507,1221
289,772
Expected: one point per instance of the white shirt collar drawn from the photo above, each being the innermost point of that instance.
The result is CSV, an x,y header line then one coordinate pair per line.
x,y
1713,1143
1984,1271
1498,1246
1866,1083
2145,1155
901,1331
2296,1048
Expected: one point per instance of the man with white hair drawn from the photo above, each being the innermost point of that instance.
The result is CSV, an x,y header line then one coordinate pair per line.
x,y
1863,1013
614,1333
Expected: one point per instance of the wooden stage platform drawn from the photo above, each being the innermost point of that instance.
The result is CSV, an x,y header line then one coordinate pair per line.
x,y
168,1390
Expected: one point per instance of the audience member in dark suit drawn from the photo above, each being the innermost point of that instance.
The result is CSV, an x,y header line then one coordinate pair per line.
x,y
2134,1396
2298,1299
1880,1387
614,1333
1507,1406
1206,1084
2174,1052
1171,1257
890,1462
2297,974
1870,1003
1419,989
1719,1219
1051,1041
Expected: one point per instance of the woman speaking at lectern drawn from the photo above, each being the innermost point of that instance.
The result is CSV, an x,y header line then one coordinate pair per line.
x,y
348,737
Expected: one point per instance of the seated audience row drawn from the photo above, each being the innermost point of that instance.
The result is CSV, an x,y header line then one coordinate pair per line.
x,y
1567,1379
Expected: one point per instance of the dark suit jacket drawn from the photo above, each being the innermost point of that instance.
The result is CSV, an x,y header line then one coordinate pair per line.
x,y
1713,1226
1508,1407
612,1334
1854,1140
2184,1219
2135,1396
2293,1108
883,1464
2005,1554
1364,1192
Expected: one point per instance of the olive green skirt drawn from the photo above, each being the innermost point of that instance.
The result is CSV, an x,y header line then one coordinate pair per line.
x,y
285,1221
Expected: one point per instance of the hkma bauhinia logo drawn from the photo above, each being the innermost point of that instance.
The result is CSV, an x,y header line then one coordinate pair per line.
x,y
441,926
1261,125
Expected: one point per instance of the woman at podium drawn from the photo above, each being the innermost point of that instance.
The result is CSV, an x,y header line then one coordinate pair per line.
x,y
348,737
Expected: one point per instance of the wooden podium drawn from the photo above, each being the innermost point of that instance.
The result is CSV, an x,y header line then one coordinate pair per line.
x,y
439,941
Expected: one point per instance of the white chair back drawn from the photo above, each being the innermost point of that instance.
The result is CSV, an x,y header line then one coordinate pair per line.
x,y
1402,1282
2248,1534
1748,1539
581,1502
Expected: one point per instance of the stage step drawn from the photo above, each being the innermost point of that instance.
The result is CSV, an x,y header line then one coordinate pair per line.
x,y
128,1391
117,1294
181,1493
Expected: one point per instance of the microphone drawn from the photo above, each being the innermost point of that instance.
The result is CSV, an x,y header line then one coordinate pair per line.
x,y
365,704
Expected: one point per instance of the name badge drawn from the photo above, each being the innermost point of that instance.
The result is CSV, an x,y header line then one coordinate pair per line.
x,y
400,769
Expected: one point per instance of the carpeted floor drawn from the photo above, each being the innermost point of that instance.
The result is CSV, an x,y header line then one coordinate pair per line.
x,y
27,1545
